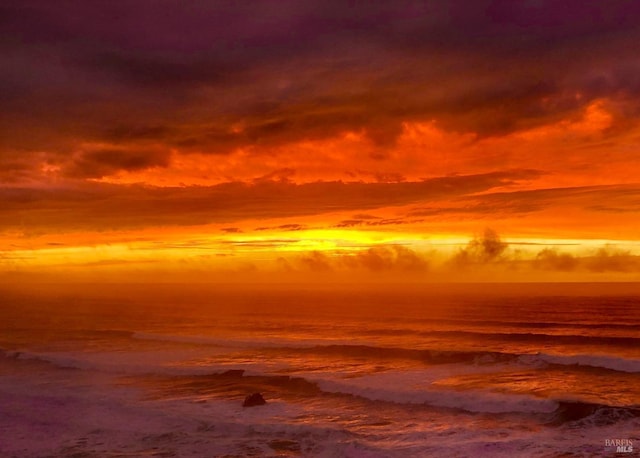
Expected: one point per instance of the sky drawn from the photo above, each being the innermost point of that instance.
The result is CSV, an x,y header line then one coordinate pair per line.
x,y
217,141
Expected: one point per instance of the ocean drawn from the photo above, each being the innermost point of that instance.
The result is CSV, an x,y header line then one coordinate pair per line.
x,y
367,371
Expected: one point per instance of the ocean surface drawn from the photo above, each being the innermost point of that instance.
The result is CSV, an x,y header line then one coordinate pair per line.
x,y
162,371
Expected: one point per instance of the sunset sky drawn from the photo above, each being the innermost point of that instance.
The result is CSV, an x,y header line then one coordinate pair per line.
x,y
318,140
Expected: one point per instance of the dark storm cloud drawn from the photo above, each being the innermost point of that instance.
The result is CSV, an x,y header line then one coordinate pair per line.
x,y
185,73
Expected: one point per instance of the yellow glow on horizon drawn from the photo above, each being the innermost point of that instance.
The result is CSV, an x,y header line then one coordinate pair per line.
x,y
331,241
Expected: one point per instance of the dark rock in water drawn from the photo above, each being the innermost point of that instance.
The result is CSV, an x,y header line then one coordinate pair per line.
x,y
233,373
254,399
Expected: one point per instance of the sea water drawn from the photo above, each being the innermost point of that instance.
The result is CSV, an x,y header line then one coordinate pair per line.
x,y
148,370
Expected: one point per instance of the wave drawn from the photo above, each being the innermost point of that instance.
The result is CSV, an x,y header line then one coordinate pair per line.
x,y
398,387
495,335
553,411
457,335
566,339
113,363
473,401
586,413
369,389
226,342
569,331
427,356
610,363
531,324
393,388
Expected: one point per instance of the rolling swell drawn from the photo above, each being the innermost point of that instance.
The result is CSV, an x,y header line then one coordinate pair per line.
x,y
501,324
542,338
427,356
282,347
607,363
537,337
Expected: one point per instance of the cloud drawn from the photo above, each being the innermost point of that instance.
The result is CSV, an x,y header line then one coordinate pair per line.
x,y
214,77
389,257
350,223
605,259
316,261
365,216
17,170
384,177
283,175
551,259
490,249
378,222
283,227
609,259
100,163
481,250
101,206
621,200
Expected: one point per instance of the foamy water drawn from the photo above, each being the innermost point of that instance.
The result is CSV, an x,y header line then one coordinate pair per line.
x,y
355,374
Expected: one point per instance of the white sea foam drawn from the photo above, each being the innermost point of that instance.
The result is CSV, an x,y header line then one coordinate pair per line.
x,y
404,389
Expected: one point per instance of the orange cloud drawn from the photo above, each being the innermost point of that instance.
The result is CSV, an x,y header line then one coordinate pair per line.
x,y
392,127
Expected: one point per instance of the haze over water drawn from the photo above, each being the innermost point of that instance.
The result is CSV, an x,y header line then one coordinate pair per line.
x,y
461,370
